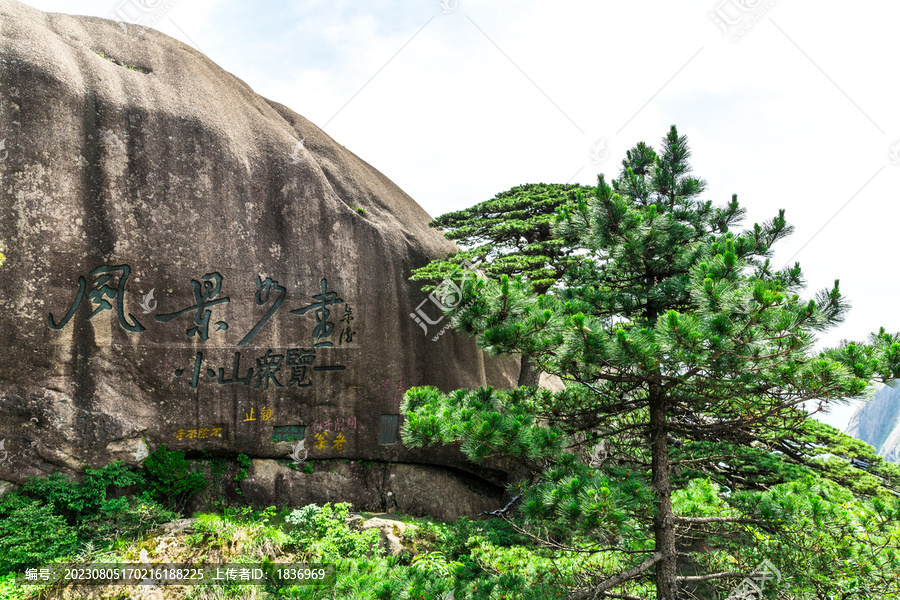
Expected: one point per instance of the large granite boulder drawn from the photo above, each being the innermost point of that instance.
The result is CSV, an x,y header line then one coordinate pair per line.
x,y
193,265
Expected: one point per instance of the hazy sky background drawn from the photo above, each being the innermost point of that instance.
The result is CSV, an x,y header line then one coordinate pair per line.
x,y
788,104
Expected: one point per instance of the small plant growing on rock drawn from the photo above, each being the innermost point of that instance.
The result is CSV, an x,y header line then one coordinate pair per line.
x,y
170,477
244,461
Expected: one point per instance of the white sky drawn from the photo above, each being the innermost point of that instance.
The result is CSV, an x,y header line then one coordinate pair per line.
x,y
460,102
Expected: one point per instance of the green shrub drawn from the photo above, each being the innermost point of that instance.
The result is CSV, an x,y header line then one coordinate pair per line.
x,y
86,509
171,478
244,462
61,493
31,534
453,538
321,531
304,518
124,517
75,500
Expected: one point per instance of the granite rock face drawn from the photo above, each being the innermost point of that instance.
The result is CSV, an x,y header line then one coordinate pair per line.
x,y
411,489
877,423
193,265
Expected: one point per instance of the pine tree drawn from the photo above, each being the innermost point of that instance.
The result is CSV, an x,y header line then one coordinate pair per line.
x,y
510,234
687,358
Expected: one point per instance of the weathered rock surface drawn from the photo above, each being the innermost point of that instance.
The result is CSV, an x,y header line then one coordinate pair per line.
x,y
877,423
191,264
411,489
392,533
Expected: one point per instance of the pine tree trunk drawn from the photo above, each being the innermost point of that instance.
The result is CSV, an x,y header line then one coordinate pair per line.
x,y
664,521
529,373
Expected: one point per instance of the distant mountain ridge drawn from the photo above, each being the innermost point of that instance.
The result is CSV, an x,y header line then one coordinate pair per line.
x,y
878,423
